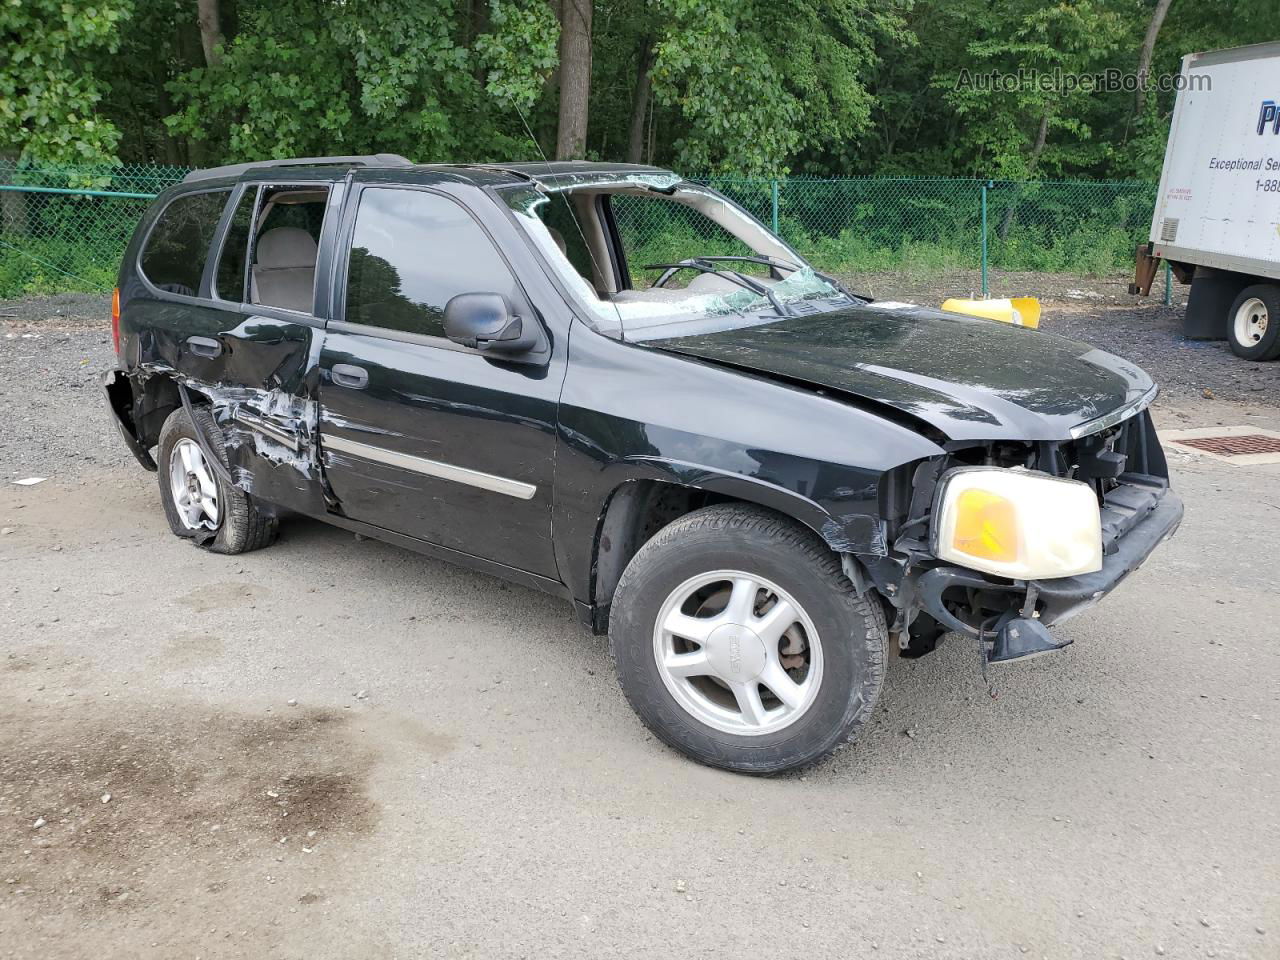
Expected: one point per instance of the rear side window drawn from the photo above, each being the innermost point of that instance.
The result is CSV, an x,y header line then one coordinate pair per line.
x,y
411,253
178,246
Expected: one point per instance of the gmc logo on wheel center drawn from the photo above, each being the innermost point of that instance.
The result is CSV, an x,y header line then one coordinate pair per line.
x,y
1269,115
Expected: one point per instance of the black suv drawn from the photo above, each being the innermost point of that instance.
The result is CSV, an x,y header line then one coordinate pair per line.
x,y
756,481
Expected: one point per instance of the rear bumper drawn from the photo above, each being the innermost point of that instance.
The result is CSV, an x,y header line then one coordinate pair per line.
x,y
119,393
1133,526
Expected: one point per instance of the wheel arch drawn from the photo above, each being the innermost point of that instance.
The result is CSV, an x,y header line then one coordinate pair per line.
x,y
636,508
155,396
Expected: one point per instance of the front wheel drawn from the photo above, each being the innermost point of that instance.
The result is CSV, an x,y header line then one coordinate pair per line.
x,y
740,642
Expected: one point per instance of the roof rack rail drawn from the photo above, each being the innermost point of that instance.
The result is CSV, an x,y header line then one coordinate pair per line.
x,y
236,169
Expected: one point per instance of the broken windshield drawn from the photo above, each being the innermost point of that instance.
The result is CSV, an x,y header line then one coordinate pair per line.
x,y
683,260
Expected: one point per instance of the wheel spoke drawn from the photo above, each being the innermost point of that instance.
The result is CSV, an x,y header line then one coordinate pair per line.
x,y
696,629
189,460
774,624
194,511
208,487
749,702
687,664
210,507
784,688
742,601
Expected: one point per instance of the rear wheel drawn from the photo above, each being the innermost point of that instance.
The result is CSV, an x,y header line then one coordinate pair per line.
x,y
198,503
739,641
1254,327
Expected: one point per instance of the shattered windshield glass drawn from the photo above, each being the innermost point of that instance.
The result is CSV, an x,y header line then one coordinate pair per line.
x,y
691,261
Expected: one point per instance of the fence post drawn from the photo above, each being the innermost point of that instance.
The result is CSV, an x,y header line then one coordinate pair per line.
x,y
774,191
985,186
1168,284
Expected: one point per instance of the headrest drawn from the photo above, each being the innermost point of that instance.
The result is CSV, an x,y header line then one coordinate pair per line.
x,y
284,247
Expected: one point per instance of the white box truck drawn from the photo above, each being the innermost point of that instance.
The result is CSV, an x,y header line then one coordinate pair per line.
x,y
1217,215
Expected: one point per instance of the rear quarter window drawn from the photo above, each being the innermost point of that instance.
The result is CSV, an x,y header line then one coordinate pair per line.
x,y
178,246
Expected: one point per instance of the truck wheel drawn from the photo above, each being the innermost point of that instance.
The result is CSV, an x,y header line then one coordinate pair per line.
x,y
740,642
1254,328
198,504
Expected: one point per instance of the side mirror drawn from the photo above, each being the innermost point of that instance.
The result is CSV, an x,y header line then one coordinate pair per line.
x,y
484,321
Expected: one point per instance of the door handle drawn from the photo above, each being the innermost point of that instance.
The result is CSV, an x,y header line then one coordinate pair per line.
x,y
346,375
204,346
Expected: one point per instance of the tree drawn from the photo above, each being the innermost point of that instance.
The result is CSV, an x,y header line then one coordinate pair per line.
x,y
49,92
1011,124
575,77
640,101
1145,52
363,76
210,31
757,82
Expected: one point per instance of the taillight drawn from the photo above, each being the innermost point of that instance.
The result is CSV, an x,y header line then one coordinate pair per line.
x,y
115,320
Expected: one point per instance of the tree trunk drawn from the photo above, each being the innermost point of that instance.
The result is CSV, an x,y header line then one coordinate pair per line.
x,y
575,78
210,31
1145,54
13,205
640,102
1037,148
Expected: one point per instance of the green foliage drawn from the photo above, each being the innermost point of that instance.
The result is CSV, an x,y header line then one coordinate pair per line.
x,y
1072,38
739,87
48,90
756,81
303,78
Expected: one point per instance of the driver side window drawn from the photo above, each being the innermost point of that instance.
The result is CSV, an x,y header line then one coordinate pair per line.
x,y
412,252
657,230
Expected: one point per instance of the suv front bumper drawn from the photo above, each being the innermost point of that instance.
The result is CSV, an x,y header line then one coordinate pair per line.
x,y
1136,517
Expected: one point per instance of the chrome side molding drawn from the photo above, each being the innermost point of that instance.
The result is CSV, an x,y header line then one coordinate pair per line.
x,y
431,468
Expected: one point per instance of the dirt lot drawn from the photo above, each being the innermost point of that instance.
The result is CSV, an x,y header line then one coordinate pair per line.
x,y
334,748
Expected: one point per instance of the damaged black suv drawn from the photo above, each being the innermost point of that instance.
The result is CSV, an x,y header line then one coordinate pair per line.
x,y
754,480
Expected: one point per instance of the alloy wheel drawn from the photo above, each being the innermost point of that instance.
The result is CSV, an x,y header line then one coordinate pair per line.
x,y
192,484
738,652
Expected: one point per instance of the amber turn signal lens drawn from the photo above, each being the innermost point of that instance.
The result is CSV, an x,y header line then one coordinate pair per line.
x,y
986,526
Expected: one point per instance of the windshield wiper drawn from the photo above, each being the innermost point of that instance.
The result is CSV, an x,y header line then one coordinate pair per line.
x,y
703,265
768,261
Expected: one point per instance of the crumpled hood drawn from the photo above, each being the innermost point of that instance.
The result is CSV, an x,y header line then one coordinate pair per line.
x,y
971,378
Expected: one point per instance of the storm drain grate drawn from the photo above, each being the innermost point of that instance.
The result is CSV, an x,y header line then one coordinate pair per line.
x,y
1234,446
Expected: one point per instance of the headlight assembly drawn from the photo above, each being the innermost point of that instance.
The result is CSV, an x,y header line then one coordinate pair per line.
x,y
1016,523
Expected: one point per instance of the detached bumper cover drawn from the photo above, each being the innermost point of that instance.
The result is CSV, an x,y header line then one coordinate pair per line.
x,y
119,394
1136,518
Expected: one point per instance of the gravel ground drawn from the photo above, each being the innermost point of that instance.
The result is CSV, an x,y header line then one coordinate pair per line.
x,y
337,748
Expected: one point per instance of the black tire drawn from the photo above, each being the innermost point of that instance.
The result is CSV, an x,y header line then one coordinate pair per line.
x,y
1267,345
241,525
760,542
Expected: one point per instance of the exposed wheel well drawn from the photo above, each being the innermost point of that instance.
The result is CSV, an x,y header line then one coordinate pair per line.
x,y
635,512
154,399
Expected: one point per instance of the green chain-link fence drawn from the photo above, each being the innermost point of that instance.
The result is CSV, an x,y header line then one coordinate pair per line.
x,y
65,230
